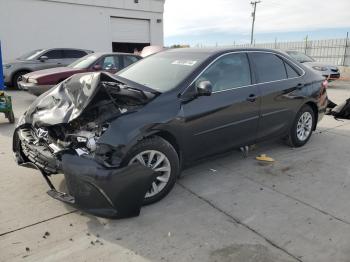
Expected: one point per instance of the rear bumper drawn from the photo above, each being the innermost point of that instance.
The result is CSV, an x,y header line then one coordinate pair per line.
x,y
34,89
92,187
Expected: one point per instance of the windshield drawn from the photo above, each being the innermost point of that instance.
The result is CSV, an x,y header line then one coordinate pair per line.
x,y
84,62
163,71
300,57
31,55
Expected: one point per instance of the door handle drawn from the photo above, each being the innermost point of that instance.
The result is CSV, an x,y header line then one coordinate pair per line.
x,y
251,98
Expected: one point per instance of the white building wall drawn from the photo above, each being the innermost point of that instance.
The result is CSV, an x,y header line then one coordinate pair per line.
x,y
26,25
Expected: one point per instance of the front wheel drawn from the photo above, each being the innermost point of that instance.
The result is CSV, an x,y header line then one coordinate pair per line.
x,y
302,128
160,155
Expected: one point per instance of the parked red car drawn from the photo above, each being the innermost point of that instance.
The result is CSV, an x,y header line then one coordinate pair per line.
x,y
39,82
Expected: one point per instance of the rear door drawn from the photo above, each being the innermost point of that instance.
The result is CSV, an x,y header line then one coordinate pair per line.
x,y
227,118
277,78
70,55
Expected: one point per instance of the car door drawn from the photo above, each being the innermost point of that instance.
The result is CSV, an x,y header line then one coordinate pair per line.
x,y
229,116
276,78
71,55
54,59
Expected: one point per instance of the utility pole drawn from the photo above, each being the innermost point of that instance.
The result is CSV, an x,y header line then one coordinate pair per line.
x,y
253,22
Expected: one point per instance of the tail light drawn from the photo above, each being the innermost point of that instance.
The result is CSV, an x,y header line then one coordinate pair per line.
x,y
325,84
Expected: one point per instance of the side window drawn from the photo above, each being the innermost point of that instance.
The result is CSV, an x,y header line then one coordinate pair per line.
x,y
54,54
110,63
290,71
128,60
228,72
74,53
269,67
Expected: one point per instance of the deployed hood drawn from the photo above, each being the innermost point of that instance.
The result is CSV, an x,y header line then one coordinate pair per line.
x,y
52,71
67,101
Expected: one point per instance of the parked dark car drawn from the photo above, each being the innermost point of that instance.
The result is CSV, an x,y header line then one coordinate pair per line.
x,y
125,138
40,81
39,59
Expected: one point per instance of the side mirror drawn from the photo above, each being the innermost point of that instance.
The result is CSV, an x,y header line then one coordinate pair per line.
x,y
204,88
97,67
43,58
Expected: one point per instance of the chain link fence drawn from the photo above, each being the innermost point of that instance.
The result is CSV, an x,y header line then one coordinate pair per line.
x,y
332,51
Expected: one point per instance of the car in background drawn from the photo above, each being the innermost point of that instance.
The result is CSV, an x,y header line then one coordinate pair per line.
x,y
39,59
40,81
330,72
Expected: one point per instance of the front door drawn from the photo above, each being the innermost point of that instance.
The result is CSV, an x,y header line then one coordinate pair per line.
x,y
230,116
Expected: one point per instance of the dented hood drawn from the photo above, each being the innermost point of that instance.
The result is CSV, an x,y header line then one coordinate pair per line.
x,y
66,101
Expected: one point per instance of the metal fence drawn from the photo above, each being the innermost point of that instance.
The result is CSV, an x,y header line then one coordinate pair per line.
x,y
332,51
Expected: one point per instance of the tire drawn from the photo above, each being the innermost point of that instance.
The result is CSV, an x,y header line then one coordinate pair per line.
x,y
302,128
155,148
16,77
11,117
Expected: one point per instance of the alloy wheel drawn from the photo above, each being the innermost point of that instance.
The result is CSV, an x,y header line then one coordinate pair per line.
x,y
304,126
159,163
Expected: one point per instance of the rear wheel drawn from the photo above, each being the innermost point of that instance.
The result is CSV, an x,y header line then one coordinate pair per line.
x,y
158,154
302,128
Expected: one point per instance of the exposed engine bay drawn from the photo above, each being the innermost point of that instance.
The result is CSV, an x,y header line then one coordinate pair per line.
x,y
60,133
51,137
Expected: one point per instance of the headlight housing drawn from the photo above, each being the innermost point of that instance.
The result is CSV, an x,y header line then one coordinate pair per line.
x,y
7,66
320,68
33,81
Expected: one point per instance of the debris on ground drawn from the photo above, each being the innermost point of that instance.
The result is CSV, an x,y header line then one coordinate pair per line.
x,y
212,170
27,249
46,234
264,159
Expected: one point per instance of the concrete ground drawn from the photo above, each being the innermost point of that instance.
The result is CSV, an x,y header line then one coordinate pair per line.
x,y
227,209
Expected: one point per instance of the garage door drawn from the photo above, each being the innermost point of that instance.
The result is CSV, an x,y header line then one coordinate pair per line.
x,y
130,30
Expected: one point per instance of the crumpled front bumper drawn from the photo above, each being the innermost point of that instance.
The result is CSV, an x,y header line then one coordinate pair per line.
x,y
92,187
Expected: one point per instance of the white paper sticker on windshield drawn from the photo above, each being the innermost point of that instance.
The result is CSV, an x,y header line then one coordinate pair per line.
x,y
184,62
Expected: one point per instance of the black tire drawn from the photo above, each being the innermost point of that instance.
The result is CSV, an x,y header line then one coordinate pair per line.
x,y
158,144
16,78
293,139
11,117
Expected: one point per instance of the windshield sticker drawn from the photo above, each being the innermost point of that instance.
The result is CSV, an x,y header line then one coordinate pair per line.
x,y
184,62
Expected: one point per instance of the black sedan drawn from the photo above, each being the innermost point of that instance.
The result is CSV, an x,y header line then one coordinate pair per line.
x,y
122,140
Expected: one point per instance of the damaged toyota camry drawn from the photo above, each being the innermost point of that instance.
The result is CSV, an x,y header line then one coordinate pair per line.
x,y
121,140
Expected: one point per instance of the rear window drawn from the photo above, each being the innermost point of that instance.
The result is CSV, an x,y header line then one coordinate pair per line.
x,y
128,60
269,67
74,53
290,71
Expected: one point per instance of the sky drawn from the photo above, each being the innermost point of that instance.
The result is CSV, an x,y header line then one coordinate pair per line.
x,y
227,22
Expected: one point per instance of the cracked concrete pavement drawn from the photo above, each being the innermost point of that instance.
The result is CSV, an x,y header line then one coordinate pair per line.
x,y
226,209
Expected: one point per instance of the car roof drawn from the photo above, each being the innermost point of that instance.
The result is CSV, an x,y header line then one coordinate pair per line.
x,y
216,50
